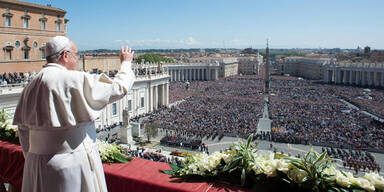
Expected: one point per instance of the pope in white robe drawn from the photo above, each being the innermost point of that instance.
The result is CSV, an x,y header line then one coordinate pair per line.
x,y
56,114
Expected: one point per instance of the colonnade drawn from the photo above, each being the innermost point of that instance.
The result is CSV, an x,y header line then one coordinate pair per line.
x,y
158,96
193,74
363,75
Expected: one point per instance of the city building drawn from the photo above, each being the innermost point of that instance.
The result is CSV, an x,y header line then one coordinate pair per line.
x,y
229,66
377,56
181,71
250,65
362,74
306,67
99,63
24,30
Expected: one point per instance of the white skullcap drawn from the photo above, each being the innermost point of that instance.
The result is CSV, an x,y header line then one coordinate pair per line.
x,y
57,45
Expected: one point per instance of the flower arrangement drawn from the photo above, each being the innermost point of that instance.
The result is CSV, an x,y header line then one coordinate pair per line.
x,y
244,165
8,132
112,153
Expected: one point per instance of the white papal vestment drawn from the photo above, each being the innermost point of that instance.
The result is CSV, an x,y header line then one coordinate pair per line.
x,y
56,114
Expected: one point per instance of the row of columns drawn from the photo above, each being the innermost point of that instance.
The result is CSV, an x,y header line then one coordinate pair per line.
x,y
158,95
193,74
356,77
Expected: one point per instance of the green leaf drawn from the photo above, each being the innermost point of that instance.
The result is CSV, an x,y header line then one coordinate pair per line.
x,y
322,156
250,138
169,172
243,176
298,166
174,166
280,156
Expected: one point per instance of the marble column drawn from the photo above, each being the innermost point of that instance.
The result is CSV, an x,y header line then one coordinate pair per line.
x,y
369,74
179,73
156,97
209,74
363,78
151,98
216,74
338,76
358,77
167,94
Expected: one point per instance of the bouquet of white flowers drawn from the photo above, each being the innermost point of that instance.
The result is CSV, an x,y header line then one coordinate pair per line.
x,y
244,166
112,153
8,132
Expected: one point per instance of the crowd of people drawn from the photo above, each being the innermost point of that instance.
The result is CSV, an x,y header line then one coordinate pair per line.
x,y
227,107
304,112
14,78
179,141
371,100
152,155
355,160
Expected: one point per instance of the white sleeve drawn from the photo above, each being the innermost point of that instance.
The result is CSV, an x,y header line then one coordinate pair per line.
x,y
99,90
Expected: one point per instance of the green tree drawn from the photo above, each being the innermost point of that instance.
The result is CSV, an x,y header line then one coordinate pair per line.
x,y
150,57
150,129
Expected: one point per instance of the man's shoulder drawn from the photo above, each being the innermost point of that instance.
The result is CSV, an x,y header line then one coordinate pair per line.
x,y
60,74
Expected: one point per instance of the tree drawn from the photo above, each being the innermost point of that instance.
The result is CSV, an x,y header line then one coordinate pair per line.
x,y
150,57
150,129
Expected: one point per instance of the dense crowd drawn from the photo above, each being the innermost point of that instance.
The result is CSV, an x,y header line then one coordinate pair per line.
x,y
179,141
355,160
371,100
227,107
14,78
304,112
151,155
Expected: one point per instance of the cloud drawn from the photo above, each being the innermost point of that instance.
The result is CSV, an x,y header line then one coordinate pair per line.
x,y
164,43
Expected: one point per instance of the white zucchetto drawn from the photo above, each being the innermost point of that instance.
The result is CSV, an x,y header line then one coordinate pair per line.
x,y
57,45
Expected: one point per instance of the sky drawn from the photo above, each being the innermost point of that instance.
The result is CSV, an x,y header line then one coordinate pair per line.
x,y
144,24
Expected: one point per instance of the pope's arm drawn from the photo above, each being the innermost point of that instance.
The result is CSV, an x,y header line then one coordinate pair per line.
x,y
99,90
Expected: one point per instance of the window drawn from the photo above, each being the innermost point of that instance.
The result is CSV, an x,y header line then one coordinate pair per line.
x,y
142,102
35,44
114,109
26,23
17,44
7,21
58,27
43,53
129,105
42,25
26,54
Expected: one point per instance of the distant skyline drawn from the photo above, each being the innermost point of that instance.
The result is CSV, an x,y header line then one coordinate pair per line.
x,y
163,24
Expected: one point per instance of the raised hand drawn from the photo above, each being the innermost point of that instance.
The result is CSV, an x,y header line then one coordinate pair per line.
x,y
126,54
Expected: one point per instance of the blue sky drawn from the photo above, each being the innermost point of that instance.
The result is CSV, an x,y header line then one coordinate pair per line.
x,y
223,23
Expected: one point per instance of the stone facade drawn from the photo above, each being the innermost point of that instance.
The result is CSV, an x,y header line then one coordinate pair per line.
x,y
306,67
250,65
362,74
102,63
193,71
24,30
228,65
